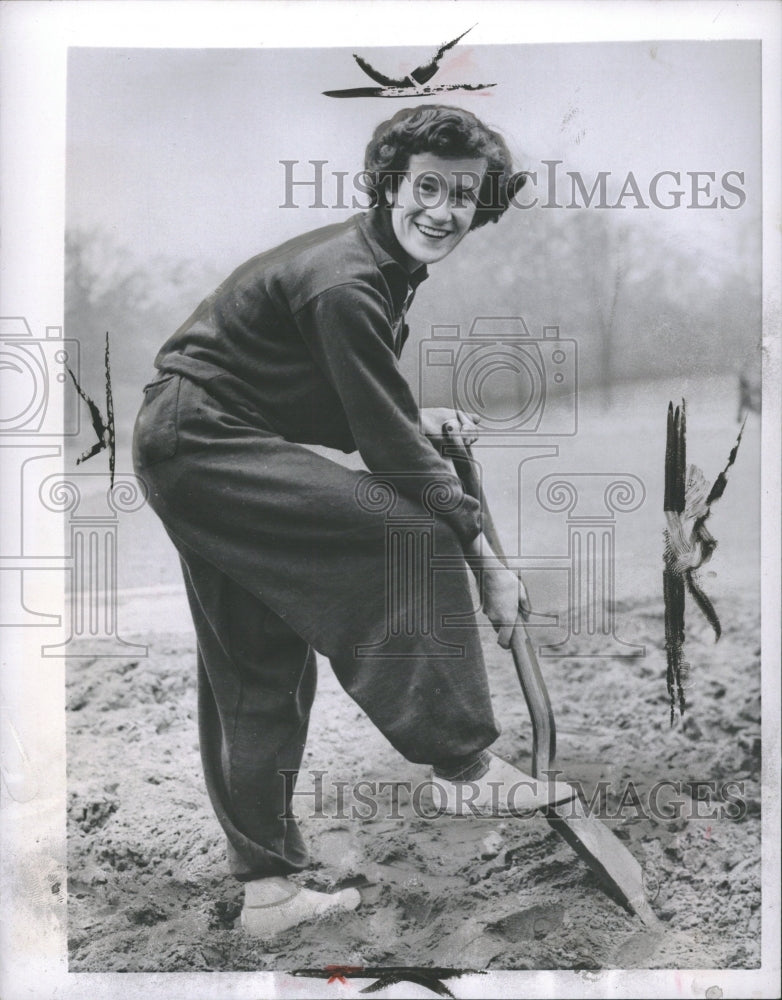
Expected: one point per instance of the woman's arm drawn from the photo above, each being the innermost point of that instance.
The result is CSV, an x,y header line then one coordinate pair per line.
x,y
348,330
503,594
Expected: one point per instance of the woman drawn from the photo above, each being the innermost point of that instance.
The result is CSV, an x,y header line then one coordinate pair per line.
x,y
281,552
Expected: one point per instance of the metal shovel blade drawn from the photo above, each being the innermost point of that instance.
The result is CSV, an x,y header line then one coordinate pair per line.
x,y
617,870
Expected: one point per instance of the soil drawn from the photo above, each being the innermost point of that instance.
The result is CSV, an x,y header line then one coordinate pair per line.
x,y
148,888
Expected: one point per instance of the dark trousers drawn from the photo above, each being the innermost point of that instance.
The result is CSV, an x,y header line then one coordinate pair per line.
x,y
280,558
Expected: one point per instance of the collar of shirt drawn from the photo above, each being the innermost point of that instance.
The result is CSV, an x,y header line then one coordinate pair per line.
x,y
379,233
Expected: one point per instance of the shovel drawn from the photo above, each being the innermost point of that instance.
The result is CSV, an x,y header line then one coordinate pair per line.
x,y
618,872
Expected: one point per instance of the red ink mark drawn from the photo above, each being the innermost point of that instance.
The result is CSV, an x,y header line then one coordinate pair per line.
x,y
338,972
708,833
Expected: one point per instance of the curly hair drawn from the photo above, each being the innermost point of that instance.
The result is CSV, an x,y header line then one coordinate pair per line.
x,y
446,132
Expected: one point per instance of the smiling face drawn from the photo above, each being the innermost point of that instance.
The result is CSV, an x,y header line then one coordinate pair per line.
x,y
435,204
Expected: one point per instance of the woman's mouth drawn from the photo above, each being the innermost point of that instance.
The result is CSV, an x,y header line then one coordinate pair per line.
x,y
431,232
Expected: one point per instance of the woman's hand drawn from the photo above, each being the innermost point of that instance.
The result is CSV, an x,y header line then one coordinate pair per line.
x,y
505,600
503,593
463,425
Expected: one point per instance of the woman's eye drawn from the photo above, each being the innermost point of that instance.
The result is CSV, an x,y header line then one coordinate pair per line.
x,y
429,186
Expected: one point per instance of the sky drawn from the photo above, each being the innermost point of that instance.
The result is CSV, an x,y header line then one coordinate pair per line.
x,y
177,152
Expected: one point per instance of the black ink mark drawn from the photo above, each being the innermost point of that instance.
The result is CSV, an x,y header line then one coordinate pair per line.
x,y
722,479
688,545
430,979
406,91
420,75
104,429
673,583
411,85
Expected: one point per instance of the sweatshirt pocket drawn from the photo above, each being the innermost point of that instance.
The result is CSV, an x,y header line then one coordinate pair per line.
x,y
155,436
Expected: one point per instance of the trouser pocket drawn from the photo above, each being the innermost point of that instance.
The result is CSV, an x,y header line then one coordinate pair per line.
x,y
155,436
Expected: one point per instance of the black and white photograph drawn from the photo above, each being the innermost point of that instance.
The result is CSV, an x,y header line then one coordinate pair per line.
x,y
390,457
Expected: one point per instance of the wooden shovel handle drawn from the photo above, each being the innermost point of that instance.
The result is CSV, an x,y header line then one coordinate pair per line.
x,y
544,733
544,730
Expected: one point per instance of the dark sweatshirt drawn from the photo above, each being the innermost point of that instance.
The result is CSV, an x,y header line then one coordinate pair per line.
x,y
306,337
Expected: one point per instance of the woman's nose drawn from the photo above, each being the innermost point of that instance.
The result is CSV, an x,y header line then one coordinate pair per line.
x,y
441,211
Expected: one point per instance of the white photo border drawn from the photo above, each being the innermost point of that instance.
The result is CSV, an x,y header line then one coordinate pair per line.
x,y
35,41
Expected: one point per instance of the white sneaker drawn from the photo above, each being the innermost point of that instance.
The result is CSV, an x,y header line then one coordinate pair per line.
x,y
503,791
274,904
